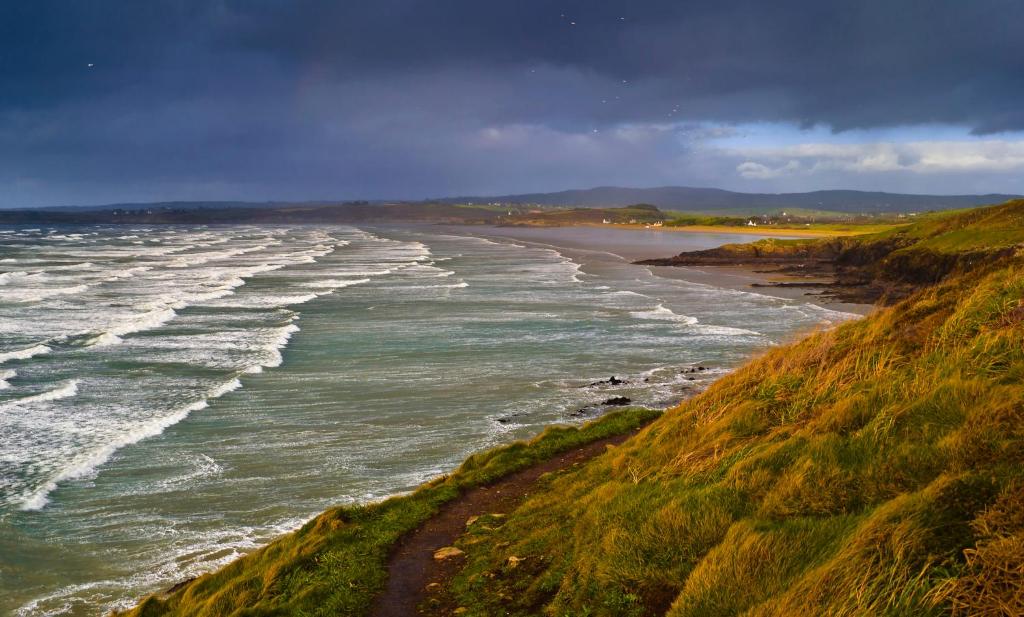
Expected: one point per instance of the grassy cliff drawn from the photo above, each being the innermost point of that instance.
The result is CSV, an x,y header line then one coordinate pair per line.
x,y
885,266
873,469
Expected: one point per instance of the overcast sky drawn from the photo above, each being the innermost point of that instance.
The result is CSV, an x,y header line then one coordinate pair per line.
x,y
104,101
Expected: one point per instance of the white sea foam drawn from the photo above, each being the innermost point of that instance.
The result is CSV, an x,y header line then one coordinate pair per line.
x,y
663,313
461,285
4,376
203,552
35,295
724,330
66,390
335,283
7,277
140,323
87,462
224,388
624,292
76,266
24,354
115,275
361,272
256,301
271,349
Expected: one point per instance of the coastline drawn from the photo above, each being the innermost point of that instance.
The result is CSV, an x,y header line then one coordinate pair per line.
x,y
634,243
638,245
775,232
637,327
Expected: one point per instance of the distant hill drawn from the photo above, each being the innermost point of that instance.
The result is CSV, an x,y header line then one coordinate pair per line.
x,y
708,200
488,209
191,213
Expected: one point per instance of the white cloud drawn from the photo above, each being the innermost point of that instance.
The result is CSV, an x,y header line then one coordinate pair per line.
x,y
917,157
757,171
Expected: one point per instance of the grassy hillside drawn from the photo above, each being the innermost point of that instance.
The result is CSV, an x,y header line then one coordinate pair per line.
x,y
336,563
873,469
887,265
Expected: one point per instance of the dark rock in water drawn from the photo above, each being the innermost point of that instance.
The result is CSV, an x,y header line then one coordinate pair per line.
x,y
581,412
690,379
508,418
647,379
617,401
611,381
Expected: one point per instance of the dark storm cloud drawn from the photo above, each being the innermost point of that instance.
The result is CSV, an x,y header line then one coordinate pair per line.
x,y
847,64
312,98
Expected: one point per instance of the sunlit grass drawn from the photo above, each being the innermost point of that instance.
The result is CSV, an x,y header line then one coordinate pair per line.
x,y
875,469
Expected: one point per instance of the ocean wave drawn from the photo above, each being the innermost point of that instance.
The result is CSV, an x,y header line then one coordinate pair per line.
x,y
724,330
84,465
141,323
224,388
4,376
197,259
361,272
7,277
335,283
115,275
75,266
461,285
271,349
257,302
624,292
24,354
66,390
663,313
35,295
201,552
828,315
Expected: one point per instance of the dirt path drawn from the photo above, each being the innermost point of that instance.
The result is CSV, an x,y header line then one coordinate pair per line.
x,y
412,567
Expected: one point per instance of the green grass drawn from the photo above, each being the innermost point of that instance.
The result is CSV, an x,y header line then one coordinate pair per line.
x,y
336,563
860,226
688,220
873,469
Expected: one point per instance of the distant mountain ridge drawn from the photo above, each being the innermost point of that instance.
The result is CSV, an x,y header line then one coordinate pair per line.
x,y
719,200
689,199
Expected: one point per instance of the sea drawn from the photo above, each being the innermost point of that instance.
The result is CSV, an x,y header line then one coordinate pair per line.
x,y
172,397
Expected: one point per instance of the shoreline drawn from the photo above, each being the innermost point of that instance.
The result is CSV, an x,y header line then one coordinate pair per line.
x,y
617,243
780,232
